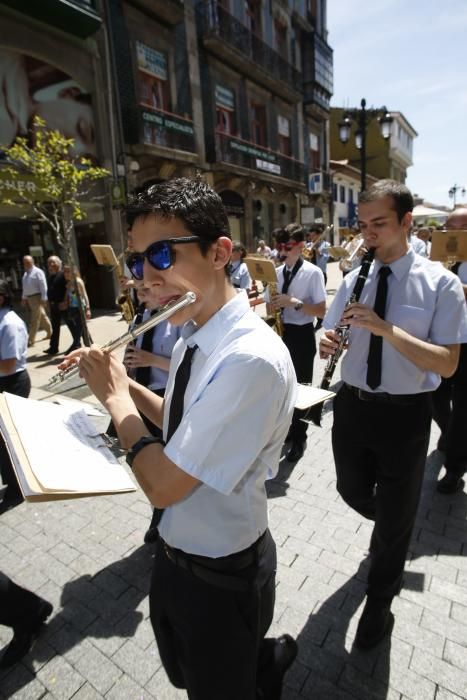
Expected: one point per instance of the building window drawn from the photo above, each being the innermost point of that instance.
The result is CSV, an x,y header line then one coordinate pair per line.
x,y
350,195
342,194
283,130
334,192
253,16
153,78
280,31
314,152
225,110
258,123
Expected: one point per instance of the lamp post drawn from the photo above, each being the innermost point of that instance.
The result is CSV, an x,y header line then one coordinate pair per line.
x,y
362,117
453,192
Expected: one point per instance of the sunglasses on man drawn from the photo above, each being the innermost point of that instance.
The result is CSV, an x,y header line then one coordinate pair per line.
x,y
160,255
286,246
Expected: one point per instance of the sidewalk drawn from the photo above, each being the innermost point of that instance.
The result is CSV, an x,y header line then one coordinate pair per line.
x,y
87,557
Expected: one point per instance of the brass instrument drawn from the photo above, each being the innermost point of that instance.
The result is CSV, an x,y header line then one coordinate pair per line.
x,y
132,334
275,321
347,263
308,252
124,299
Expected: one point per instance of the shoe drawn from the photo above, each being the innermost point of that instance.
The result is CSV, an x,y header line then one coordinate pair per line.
x,y
375,623
295,452
30,343
283,655
49,351
450,483
10,501
24,639
72,347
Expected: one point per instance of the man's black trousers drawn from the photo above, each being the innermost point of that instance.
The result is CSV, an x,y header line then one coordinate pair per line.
x,y
18,606
301,343
380,453
211,639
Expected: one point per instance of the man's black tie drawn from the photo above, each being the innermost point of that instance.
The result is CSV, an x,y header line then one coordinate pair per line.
x,y
373,375
178,395
143,374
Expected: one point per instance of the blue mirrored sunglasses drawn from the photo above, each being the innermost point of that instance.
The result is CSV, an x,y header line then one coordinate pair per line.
x,y
159,255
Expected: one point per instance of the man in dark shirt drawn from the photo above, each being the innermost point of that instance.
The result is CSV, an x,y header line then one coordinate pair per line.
x,y
56,292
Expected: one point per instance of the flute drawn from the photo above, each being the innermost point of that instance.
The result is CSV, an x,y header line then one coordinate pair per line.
x,y
167,311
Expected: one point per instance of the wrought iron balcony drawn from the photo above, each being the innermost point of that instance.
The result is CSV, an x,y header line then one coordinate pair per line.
x,y
236,44
245,154
77,17
160,128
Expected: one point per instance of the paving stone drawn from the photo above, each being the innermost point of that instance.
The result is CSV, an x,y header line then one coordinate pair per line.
x,y
60,678
443,694
87,692
126,688
458,594
365,687
138,664
459,612
439,671
456,655
98,670
19,683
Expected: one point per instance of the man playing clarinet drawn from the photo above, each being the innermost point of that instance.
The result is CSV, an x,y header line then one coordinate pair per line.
x,y
405,335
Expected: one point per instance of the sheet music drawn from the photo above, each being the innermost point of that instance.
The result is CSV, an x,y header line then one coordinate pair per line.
x,y
63,447
308,396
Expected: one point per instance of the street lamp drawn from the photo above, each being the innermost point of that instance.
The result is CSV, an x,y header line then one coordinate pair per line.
x,y
453,192
362,117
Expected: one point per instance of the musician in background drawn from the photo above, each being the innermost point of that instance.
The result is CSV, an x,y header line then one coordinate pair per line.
x,y
302,298
405,335
239,275
318,248
213,583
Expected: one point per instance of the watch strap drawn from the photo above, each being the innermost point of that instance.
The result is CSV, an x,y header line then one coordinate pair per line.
x,y
140,445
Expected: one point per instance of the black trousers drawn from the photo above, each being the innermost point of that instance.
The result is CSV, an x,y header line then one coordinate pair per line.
x,y
380,453
18,606
211,639
450,413
301,343
56,320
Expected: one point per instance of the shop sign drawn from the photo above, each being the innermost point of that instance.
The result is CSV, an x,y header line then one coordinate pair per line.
x,y
314,143
117,192
268,167
21,188
170,123
315,183
283,126
225,98
151,61
251,151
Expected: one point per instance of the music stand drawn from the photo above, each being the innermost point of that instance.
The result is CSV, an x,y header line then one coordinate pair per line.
x,y
337,252
105,255
261,268
449,246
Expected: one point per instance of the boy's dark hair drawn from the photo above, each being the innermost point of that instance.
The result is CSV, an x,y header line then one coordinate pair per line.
x,y
294,232
400,194
316,228
191,200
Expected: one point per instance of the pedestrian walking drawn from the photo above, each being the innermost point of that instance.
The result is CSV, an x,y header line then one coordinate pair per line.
x,y
34,297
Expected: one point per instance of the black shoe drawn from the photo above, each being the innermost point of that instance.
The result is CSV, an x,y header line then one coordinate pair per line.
x,y
295,452
75,346
10,501
283,655
24,639
375,623
49,351
450,483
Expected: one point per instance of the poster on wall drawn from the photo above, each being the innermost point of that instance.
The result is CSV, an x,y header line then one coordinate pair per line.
x,y
30,87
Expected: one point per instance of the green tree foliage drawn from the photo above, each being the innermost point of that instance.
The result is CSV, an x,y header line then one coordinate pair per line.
x,y
63,181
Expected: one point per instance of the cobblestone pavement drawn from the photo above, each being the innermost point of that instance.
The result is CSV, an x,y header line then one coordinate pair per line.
x,y
87,557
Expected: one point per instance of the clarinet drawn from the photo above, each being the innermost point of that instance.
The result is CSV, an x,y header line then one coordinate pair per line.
x,y
343,332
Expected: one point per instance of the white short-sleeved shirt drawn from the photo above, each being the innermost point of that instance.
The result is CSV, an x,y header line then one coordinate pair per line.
x,y
13,340
239,276
418,245
164,339
34,282
424,299
238,407
307,285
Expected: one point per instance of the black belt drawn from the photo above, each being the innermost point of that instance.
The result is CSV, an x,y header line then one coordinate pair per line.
x,y
33,295
382,396
216,571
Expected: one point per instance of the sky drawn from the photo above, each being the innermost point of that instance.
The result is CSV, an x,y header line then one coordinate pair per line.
x,y
410,55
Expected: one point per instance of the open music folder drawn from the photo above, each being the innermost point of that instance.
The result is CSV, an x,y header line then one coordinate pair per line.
x,y
57,453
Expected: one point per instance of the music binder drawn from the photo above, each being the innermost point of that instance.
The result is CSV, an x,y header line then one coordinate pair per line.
x,y
56,452
308,396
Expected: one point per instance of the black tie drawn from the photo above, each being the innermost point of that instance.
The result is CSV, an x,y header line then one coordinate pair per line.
x,y
143,374
178,395
373,374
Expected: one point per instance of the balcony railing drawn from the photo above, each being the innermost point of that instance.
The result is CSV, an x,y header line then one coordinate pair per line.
x,y
245,154
216,22
77,17
160,128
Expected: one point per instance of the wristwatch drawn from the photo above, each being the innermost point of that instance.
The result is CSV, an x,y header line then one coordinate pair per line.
x,y
140,445
298,306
